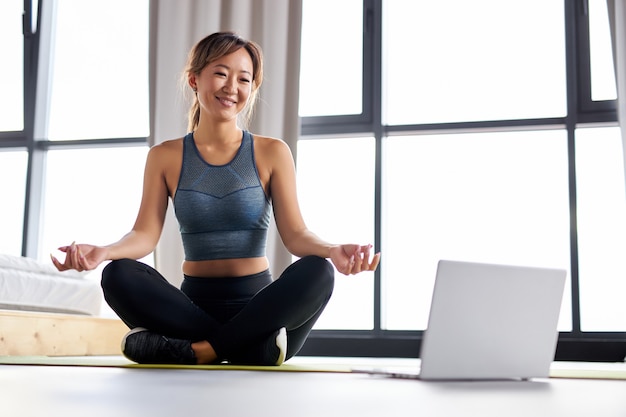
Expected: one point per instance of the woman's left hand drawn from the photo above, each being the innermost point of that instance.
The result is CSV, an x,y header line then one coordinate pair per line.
x,y
352,259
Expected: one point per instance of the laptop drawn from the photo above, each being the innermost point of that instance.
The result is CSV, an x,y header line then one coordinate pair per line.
x,y
490,322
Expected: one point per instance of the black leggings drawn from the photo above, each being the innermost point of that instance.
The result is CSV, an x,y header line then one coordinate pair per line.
x,y
229,313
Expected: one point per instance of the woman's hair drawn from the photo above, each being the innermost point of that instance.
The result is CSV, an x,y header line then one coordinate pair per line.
x,y
214,47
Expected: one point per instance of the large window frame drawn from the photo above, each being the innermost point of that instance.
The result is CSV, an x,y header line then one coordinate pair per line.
x,y
37,19
581,111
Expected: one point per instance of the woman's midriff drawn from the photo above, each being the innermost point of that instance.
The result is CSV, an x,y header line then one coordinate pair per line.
x,y
226,267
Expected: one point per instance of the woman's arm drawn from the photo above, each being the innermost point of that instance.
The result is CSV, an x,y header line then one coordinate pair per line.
x,y
297,238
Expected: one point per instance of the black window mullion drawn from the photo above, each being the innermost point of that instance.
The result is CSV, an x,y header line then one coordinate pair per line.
x,y
575,93
34,174
372,41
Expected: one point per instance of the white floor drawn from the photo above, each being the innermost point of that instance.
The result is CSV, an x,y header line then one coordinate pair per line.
x,y
68,391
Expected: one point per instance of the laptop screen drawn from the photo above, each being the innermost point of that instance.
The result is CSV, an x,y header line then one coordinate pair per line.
x,y
492,321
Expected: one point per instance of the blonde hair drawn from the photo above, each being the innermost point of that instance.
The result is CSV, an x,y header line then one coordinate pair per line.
x,y
214,47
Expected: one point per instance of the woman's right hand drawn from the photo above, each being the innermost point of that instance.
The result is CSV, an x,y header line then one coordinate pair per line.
x,y
81,257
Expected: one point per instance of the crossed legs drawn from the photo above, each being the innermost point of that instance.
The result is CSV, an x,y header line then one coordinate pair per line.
x,y
223,330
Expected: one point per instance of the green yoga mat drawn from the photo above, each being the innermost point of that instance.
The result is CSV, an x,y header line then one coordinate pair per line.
x,y
568,370
121,362
588,370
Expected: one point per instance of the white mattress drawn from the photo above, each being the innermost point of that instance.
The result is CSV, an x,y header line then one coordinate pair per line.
x,y
27,284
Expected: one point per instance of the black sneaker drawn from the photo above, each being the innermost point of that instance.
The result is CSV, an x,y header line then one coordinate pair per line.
x,y
142,346
273,352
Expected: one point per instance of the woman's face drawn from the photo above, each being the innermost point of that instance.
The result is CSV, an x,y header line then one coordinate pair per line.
x,y
224,86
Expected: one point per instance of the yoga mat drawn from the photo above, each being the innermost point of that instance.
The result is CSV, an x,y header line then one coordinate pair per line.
x,y
567,370
588,370
121,362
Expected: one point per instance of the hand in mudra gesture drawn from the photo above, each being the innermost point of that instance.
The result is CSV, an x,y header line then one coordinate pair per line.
x,y
352,259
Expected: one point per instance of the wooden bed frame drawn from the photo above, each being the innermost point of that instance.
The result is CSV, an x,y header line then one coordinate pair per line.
x,y
49,334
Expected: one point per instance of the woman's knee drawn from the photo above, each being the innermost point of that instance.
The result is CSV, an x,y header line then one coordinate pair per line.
x,y
321,271
116,273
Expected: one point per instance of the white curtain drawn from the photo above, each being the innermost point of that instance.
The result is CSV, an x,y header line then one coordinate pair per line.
x,y
617,18
175,27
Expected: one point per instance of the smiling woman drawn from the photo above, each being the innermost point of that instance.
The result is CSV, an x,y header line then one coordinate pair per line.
x,y
224,183
235,73
224,87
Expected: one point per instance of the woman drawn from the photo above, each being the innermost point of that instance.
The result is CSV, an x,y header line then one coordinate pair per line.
x,y
223,182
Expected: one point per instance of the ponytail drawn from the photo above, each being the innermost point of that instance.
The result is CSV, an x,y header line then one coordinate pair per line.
x,y
194,115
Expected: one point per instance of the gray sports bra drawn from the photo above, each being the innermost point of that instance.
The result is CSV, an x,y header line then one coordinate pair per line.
x,y
222,211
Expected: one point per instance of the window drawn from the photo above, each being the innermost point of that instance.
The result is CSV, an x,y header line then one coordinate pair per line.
x,y
64,167
468,61
341,45
82,207
99,86
89,209
601,204
482,122
98,98
12,68
469,196
338,206
13,186
478,131
602,69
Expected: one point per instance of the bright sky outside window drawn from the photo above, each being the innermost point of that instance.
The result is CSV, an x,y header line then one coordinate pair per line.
x,y
331,72
95,214
602,69
340,213
100,70
482,197
13,186
601,228
12,67
459,60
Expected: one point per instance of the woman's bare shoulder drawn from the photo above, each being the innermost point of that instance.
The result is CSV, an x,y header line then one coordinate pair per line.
x,y
270,144
166,149
168,145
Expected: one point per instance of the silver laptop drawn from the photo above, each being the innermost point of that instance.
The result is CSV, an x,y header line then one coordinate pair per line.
x,y
490,321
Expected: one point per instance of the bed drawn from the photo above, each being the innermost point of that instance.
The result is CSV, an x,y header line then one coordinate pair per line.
x,y
30,285
44,312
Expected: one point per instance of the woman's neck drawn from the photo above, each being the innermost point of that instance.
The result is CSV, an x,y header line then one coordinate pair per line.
x,y
222,133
